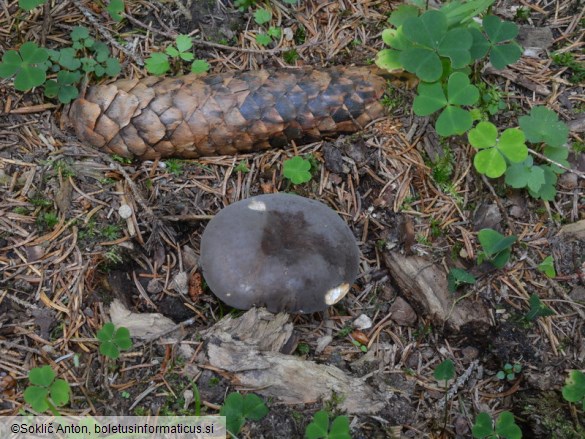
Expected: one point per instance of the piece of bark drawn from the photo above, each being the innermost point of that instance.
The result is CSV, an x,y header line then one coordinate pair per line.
x,y
247,349
424,284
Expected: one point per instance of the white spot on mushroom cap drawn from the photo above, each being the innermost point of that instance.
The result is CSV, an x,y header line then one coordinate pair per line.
x,y
334,295
257,205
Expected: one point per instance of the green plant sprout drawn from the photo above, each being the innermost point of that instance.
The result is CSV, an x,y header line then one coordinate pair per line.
x,y
537,309
297,170
27,65
113,340
457,277
159,62
320,428
175,166
238,408
242,167
29,5
574,388
505,427
453,119
46,392
494,151
567,59
444,371
491,99
509,372
547,266
496,248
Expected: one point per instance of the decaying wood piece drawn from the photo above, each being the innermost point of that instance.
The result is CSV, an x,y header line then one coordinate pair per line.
x,y
241,111
424,284
247,348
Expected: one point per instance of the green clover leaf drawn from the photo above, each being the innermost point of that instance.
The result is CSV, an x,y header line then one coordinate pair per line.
x,y
184,43
457,277
543,125
548,189
263,39
27,64
547,266
199,66
537,309
29,5
262,16
432,40
297,170
525,174
453,119
491,159
115,9
113,340
498,43
402,13
574,388
157,63
237,408
506,426
445,371
483,426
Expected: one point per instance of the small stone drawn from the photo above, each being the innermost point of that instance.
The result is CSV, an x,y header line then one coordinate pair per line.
x,y
180,283
362,322
578,294
568,181
322,343
470,353
517,212
125,211
402,313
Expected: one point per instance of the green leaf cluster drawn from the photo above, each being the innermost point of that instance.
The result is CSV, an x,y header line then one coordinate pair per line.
x,y
543,128
29,65
509,372
496,248
321,428
297,170
505,427
46,392
238,408
438,46
113,340
159,63
574,388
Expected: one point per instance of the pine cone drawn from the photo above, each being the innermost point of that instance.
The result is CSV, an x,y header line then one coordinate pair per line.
x,y
236,112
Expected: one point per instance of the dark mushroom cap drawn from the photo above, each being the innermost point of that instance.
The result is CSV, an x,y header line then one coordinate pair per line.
x,y
281,251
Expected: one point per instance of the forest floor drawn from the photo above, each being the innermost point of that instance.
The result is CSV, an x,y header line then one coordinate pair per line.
x,y
66,253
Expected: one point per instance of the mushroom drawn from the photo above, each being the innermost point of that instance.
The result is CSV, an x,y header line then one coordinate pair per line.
x,y
279,251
